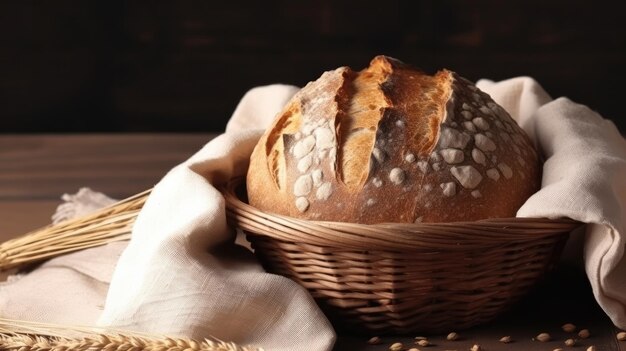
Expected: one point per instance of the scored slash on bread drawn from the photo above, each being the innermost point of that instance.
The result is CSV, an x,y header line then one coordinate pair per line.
x,y
392,144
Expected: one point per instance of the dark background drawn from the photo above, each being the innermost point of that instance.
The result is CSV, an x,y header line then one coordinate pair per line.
x,y
111,66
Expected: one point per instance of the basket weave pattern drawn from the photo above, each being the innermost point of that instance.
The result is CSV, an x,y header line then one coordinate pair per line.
x,y
403,278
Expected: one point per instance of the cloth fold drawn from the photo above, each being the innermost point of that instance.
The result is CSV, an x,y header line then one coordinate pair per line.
x,y
85,201
66,290
182,274
584,178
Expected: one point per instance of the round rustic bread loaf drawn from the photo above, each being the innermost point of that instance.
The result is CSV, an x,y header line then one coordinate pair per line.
x,y
392,144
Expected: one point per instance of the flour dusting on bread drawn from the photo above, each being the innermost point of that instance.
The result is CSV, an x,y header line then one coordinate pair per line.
x,y
392,144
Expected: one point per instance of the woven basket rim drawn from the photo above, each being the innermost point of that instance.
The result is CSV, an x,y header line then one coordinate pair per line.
x,y
465,235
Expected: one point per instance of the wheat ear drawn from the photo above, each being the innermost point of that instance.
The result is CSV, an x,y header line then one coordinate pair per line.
x,y
31,336
112,343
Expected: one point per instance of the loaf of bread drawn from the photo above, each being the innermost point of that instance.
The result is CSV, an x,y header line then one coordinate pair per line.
x,y
392,144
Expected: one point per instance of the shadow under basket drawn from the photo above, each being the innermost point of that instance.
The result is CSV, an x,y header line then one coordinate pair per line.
x,y
404,278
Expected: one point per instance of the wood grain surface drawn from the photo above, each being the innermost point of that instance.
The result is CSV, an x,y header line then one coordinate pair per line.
x,y
35,170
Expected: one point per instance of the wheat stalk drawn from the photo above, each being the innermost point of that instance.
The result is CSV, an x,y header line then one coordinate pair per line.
x,y
29,336
112,223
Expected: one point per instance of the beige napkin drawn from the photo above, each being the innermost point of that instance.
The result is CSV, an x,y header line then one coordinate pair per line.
x,y
181,274
584,178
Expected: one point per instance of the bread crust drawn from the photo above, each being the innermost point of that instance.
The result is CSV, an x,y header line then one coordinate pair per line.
x,y
392,144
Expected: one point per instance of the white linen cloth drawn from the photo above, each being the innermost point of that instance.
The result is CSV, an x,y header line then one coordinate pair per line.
x,y
584,178
181,274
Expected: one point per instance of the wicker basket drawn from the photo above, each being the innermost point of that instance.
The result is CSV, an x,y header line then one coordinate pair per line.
x,y
404,278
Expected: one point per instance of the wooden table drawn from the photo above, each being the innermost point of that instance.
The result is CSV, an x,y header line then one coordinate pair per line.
x,y
36,169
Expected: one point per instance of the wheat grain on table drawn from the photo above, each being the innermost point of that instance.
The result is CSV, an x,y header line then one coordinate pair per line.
x,y
35,170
